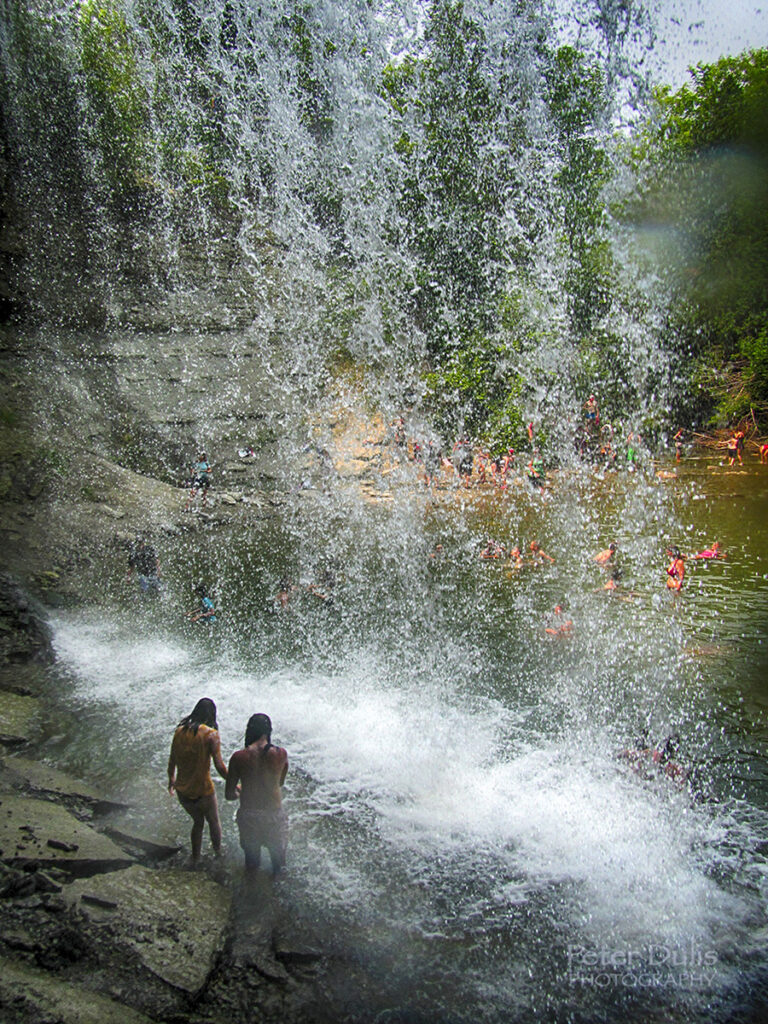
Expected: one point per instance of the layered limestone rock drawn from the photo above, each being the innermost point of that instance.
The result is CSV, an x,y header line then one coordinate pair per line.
x,y
19,718
174,921
42,833
36,995
24,634
41,779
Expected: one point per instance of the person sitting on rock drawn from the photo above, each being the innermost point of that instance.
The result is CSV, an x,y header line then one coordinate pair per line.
x,y
206,610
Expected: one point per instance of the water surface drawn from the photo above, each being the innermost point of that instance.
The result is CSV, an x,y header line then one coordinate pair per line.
x,y
465,841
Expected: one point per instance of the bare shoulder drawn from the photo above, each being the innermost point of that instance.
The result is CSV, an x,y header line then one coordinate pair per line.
x,y
279,754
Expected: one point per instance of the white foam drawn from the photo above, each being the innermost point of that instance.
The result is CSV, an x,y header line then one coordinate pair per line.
x,y
447,779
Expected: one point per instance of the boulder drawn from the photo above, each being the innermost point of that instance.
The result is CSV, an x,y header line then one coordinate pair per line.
x,y
28,679
174,921
37,995
43,833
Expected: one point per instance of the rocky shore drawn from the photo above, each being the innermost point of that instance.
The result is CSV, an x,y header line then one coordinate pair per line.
x,y
100,921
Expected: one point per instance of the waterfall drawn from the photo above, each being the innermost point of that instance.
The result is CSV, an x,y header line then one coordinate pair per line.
x,y
288,225
376,183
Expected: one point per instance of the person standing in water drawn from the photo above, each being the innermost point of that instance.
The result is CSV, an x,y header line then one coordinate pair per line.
x,y
678,439
256,776
591,413
675,570
606,556
195,742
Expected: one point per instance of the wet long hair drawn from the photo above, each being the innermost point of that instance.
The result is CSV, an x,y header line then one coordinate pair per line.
x,y
203,713
258,726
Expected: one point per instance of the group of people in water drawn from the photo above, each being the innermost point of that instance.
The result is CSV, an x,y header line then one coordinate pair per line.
x,y
254,777
256,773
471,463
494,550
467,462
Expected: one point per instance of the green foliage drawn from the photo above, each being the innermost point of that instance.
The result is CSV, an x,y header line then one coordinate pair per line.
x,y
577,101
451,194
315,100
203,176
604,358
476,391
703,163
9,417
115,90
726,104
398,84
459,141
755,352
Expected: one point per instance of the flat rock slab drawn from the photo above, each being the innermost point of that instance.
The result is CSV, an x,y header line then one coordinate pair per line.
x,y
175,921
42,778
44,997
29,678
136,839
45,833
19,718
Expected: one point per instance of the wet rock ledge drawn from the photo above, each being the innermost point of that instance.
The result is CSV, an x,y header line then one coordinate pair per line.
x,y
98,923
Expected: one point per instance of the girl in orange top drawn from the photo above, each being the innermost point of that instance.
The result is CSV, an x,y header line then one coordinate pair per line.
x,y
676,570
195,742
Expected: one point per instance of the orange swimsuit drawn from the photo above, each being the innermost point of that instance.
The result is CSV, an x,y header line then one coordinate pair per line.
x,y
192,754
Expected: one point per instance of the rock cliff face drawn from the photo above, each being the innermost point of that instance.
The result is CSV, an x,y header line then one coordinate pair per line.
x,y
98,431
70,258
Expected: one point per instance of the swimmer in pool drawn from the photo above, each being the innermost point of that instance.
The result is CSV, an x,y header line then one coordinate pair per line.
x,y
648,761
603,557
559,624
538,554
516,558
493,549
675,570
711,552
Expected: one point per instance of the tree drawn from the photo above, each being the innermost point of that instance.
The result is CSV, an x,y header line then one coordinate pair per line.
x,y
703,183
577,101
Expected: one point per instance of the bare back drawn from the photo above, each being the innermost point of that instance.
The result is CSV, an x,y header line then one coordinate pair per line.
x,y
260,772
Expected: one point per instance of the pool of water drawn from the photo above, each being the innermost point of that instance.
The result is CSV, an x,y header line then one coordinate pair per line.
x,y
465,841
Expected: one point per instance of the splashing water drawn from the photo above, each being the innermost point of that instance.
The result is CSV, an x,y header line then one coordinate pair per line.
x,y
463,832
465,839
